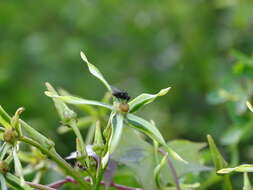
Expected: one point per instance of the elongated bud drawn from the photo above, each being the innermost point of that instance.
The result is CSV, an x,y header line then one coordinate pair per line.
x,y
15,120
4,167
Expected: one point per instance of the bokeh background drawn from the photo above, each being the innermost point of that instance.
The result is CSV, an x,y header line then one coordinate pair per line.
x,y
201,48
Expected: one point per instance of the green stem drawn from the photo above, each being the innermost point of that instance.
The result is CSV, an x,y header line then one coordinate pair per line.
x,y
59,160
99,178
79,136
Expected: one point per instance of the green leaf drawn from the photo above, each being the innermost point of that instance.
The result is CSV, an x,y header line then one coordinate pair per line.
x,y
4,115
218,160
15,182
192,158
146,127
18,166
241,168
3,182
38,137
249,106
145,98
78,101
117,128
246,182
158,169
150,130
138,155
94,70
63,110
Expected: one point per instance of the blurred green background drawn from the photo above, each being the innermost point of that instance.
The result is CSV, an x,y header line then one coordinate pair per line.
x,y
141,46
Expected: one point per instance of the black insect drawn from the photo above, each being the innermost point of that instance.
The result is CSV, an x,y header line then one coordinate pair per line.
x,y
120,94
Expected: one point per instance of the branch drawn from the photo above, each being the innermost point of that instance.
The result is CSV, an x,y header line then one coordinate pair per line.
x,y
173,170
58,184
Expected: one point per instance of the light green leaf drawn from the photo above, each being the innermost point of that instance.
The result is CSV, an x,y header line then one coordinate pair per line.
x,y
94,70
145,98
38,137
158,169
249,106
146,127
138,155
3,182
117,128
78,101
15,182
5,115
63,110
192,157
150,130
246,182
218,160
18,166
241,168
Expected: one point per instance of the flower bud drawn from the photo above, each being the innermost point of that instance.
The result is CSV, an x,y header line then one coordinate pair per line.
x,y
10,136
123,107
4,167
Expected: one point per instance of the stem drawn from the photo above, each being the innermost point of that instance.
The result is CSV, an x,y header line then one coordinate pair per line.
x,y
173,170
99,178
59,160
78,135
59,183
39,186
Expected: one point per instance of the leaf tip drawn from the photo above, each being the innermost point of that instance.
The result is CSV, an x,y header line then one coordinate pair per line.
x,y
83,56
249,106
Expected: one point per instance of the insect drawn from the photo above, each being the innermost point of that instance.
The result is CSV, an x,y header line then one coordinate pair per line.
x,y
120,94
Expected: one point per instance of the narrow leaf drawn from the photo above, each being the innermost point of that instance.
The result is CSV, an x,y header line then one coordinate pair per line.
x,y
218,160
18,167
3,182
15,182
94,70
38,137
64,112
150,130
145,98
77,101
241,168
146,127
117,128
249,106
246,182
158,169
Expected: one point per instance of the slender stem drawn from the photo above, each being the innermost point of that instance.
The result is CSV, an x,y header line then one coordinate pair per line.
x,y
59,160
76,130
173,170
59,183
39,186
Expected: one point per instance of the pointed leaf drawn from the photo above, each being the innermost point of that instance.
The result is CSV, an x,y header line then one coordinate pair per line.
x,y
249,106
117,128
246,182
63,110
77,101
218,160
146,127
158,169
15,182
18,166
94,70
145,98
150,130
3,182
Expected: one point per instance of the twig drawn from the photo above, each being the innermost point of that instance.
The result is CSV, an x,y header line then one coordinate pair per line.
x,y
173,170
39,186
58,184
